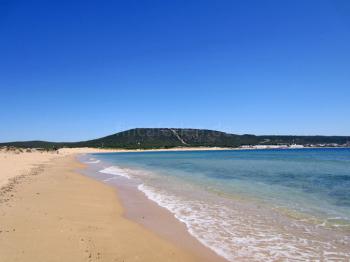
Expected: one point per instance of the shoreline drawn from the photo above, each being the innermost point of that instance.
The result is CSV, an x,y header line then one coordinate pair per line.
x,y
275,224
147,213
121,150
179,149
53,213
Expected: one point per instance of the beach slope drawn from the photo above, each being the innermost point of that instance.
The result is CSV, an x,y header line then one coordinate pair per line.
x,y
52,213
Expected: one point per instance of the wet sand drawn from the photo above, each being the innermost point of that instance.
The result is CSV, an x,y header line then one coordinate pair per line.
x,y
140,209
52,213
271,228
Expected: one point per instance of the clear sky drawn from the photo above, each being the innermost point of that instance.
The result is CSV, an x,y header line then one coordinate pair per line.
x,y
73,70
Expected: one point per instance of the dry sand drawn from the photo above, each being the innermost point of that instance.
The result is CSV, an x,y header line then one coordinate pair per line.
x,y
48,212
14,163
18,161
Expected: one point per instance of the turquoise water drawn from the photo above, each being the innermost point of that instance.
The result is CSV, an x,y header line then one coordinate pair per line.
x,y
250,203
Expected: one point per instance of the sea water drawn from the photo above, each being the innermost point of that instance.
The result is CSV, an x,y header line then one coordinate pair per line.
x,y
253,205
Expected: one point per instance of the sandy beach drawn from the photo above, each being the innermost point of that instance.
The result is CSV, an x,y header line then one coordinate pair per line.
x,y
21,161
174,131
49,212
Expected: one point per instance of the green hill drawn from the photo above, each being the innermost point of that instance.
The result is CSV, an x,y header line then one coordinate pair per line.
x,y
147,138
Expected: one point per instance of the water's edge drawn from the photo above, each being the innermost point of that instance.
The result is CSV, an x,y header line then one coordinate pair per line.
x,y
247,230
141,209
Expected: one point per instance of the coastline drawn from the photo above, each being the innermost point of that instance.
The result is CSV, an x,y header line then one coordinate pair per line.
x,y
175,149
121,150
49,208
265,228
54,213
147,213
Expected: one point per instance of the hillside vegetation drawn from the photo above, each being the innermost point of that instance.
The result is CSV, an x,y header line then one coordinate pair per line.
x,y
148,138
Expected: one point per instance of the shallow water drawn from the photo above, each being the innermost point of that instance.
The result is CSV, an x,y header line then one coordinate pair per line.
x,y
251,204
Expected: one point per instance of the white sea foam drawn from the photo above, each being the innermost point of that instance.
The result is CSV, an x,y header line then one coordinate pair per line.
x,y
235,226
93,162
109,179
116,171
238,234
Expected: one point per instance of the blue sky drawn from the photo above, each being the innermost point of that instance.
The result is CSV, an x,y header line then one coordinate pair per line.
x,y
73,70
